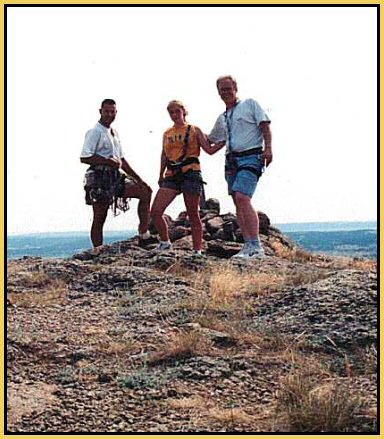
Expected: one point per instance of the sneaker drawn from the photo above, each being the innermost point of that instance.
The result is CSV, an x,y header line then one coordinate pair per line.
x,y
164,245
198,253
250,251
243,253
256,253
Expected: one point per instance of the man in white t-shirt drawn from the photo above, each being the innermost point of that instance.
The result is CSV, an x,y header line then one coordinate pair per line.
x,y
106,183
245,127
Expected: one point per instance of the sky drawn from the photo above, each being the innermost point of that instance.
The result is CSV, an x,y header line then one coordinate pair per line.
x,y
312,69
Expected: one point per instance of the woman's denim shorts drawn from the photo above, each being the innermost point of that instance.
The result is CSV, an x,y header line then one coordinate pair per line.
x,y
190,182
244,180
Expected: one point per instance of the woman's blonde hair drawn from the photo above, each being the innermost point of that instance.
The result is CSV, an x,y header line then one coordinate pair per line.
x,y
178,104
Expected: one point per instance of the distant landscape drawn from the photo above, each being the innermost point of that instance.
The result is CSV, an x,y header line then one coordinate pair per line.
x,y
355,239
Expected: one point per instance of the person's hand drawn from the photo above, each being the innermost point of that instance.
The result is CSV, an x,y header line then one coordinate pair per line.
x,y
217,146
267,156
115,163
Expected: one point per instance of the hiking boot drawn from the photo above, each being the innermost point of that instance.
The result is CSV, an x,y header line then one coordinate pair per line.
x,y
164,245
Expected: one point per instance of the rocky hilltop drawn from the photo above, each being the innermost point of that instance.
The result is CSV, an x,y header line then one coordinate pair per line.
x,y
127,339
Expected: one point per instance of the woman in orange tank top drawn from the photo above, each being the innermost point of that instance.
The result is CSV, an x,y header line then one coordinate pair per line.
x,y
180,173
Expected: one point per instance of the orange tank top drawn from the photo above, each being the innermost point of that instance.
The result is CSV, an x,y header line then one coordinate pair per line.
x,y
174,139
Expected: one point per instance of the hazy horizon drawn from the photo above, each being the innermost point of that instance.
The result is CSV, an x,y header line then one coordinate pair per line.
x,y
288,226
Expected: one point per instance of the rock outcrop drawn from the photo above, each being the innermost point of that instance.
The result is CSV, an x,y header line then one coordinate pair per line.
x,y
127,339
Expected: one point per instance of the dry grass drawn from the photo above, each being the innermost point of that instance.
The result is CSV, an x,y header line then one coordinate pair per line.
x,y
309,402
26,399
298,277
182,345
371,359
225,289
117,348
224,286
258,340
357,264
208,411
368,265
188,403
180,269
54,293
226,283
229,418
34,279
367,359
295,255
96,338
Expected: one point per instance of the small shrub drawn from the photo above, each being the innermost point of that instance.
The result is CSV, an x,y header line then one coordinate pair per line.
x,y
310,405
67,375
143,379
183,345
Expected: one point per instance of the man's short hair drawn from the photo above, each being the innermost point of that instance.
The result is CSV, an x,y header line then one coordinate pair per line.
x,y
230,77
108,102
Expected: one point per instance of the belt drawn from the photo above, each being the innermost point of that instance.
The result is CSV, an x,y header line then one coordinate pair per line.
x,y
251,151
177,165
101,168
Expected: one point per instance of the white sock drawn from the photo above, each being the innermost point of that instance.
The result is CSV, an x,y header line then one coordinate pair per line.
x,y
165,242
145,235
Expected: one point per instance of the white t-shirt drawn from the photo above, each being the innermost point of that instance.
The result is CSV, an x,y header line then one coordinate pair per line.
x,y
99,140
244,120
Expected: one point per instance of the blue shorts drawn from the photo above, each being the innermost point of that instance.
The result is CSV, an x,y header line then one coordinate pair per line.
x,y
244,180
190,182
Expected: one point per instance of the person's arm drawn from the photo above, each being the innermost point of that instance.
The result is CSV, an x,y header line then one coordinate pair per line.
x,y
99,160
218,134
163,163
205,144
89,154
267,135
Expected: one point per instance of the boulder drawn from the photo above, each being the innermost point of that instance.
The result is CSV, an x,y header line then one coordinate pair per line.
x,y
215,224
212,204
222,249
178,232
264,223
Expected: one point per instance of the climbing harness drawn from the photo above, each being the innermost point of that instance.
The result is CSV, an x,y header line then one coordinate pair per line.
x,y
104,184
231,163
177,166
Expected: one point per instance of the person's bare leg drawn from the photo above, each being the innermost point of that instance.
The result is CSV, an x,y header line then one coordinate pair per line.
x,y
192,202
144,195
163,199
247,216
100,211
